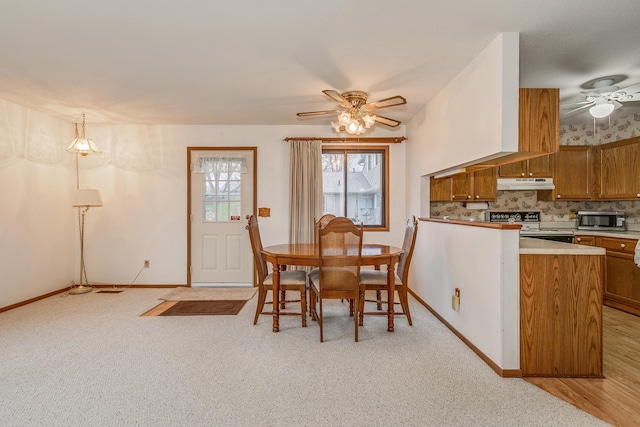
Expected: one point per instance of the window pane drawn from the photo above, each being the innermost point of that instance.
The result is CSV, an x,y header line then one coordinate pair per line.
x,y
363,186
354,183
222,191
333,182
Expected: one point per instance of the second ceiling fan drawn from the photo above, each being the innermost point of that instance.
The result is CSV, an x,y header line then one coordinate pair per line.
x,y
355,116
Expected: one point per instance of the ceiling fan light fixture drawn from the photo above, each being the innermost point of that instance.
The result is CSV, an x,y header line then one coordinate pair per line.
x,y
601,109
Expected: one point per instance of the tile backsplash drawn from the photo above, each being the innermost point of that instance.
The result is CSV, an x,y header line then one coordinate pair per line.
x,y
527,200
555,211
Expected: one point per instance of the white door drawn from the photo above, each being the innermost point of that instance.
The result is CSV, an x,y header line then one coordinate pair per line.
x,y
222,196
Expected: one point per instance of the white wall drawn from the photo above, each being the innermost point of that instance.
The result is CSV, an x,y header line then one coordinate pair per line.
x,y
142,178
37,222
486,94
449,256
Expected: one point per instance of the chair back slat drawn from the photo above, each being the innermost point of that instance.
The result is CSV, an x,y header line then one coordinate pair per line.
x,y
256,246
340,246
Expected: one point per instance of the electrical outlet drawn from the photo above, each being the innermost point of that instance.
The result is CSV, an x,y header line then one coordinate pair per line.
x,y
146,263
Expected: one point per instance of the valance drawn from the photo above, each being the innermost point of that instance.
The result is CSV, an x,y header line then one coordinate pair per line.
x,y
220,162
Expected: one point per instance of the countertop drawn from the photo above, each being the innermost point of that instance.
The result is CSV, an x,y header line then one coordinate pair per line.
x,y
532,246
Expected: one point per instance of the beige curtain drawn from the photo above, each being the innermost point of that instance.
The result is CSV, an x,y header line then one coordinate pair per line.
x,y
305,186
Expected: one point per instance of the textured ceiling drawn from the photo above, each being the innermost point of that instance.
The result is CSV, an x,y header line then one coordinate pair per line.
x,y
260,62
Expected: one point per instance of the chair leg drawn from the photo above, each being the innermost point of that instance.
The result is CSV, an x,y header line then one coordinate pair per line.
x,y
350,307
312,305
303,307
362,291
262,296
379,300
356,317
404,301
283,299
320,321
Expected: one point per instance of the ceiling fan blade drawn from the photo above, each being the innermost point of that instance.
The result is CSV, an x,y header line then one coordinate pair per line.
x,y
387,121
616,105
580,108
573,104
317,113
630,90
336,97
387,102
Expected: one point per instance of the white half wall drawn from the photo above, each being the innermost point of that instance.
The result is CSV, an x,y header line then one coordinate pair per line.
x,y
484,264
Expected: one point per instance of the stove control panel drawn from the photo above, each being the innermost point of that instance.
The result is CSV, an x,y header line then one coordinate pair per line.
x,y
513,216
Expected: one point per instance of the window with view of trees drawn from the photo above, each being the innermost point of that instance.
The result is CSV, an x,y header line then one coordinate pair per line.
x,y
355,185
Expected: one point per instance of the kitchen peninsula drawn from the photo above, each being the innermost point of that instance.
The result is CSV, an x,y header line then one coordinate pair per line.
x,y
494,269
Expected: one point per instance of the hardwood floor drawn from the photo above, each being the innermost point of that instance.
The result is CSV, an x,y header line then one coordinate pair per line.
x,y
615,398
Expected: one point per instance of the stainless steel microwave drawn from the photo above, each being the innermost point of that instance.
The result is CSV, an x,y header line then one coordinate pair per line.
x,y
588,220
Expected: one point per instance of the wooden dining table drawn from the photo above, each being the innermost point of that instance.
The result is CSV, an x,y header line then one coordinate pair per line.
x,y
307,254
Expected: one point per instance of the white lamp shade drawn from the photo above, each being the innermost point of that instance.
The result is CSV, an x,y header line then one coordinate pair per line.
x,y
86,197
601,110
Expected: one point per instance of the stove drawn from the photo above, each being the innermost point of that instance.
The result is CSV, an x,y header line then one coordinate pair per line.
x,y
530,222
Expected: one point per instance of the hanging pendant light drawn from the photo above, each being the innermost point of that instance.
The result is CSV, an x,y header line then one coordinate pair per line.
x,y
81,144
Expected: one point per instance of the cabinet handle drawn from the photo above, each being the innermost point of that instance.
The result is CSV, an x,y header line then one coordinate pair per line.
x,y
638,195
558,196
579,239
622,245
522,174
530,173
469,196
453,197
477,196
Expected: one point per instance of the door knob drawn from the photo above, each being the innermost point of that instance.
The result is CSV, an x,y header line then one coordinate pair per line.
x,y
248,216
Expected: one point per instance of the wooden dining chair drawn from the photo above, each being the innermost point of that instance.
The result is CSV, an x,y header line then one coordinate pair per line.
x,y
317,225
290,280
338,275
377,280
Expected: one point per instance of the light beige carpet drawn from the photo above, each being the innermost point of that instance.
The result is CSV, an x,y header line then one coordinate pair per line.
x,y
209,294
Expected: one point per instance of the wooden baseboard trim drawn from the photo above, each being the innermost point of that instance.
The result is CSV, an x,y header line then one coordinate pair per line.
x,y
59,291
505,373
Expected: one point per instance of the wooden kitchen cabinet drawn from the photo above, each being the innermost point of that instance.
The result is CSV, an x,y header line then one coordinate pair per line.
x,y
536,167
477,186
440,189
561,315
461,187
485,185
618,169
584,240
573,176
622,283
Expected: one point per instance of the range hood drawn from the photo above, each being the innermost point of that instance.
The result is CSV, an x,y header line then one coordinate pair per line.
x,y
525,184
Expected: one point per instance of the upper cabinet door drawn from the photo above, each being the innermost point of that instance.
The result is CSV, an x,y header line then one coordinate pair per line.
x,y
540,167
619,178
539,120
485,185
574,173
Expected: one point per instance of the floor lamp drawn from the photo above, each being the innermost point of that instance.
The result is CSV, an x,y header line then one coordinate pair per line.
x,y
85,199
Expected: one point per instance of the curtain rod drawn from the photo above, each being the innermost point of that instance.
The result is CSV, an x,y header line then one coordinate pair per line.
x,y
366,140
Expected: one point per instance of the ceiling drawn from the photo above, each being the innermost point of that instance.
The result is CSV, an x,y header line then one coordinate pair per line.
x,y
260,62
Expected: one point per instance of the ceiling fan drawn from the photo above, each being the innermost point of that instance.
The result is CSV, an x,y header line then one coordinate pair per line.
x,y
355,116
603,98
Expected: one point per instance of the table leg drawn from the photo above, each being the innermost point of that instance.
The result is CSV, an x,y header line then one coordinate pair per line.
x,y
391,275
276,297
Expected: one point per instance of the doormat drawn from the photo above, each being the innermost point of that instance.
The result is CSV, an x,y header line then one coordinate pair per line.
x,y
209,294
197,308
115,291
